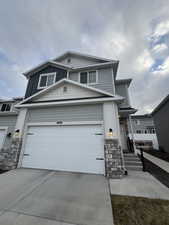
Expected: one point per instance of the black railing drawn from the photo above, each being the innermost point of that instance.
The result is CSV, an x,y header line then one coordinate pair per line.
x,y
142,159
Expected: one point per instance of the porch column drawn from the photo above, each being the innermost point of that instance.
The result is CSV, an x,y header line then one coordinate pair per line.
x,y
21,120
111,120
114,165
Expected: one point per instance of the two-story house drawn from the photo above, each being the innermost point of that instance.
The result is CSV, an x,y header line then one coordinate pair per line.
x,y
73,105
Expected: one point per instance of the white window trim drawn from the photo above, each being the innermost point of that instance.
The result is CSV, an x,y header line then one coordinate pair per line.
x,y
88,77
45,74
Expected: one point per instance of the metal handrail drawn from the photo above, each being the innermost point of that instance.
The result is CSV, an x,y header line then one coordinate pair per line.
x,y
142,159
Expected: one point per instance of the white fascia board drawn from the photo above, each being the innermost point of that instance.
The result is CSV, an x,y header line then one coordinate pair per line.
x,y
72,102
38,67
60,82
82,55
99,65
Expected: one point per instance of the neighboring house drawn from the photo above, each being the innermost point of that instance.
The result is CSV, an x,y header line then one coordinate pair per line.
x,y
144,131
70,112
161,120
8,116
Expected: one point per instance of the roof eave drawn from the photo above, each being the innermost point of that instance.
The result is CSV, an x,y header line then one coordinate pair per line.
x,y
81,55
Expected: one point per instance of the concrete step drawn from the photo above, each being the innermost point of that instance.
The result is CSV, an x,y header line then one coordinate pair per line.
x,y
134,168
131,157
129,163
132,160
129,154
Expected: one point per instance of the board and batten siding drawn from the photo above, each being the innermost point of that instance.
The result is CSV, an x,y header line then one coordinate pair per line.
x,y
73,91
32,86
66,113
10,122
105,79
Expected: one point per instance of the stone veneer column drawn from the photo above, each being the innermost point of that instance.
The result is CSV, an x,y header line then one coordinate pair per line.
x,y
113,159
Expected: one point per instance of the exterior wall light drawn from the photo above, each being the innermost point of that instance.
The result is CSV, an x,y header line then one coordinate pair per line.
x,y
16,134
110,133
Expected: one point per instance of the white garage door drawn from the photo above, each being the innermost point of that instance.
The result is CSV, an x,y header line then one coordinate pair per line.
x,y
2,136
67,148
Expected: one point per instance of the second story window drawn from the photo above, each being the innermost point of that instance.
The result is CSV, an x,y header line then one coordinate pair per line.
x,y
89,77
6,107
46,80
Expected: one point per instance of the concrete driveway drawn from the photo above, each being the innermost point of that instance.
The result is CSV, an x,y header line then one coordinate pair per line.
x,y
41,197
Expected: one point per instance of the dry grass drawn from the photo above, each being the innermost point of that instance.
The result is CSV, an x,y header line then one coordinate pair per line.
x,y
140,211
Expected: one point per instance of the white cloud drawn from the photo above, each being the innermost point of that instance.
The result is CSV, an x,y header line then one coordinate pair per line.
x,y
144,61
161,29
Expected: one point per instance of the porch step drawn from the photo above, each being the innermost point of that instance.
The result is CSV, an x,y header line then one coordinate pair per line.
x,y
131,159
132,162
134,168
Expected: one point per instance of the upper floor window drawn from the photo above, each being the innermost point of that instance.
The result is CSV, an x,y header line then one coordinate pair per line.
x,y
6,107
137,122
46,80
89,77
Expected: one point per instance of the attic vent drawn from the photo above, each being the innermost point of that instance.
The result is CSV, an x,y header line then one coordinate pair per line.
x,y
64,89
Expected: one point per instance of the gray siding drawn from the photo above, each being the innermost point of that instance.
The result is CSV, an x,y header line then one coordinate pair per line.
x,y
122,90
77,61
8,121
66,113
105,80
161,120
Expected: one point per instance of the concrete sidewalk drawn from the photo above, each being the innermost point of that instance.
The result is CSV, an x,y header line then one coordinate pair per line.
x,y
39,197
140,184
159,162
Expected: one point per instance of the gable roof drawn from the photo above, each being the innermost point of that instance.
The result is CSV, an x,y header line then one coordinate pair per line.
x,y
69,82
163,102
100,62
73,53
42,65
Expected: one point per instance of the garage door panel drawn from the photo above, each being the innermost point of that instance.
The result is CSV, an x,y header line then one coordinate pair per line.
x,y
69,148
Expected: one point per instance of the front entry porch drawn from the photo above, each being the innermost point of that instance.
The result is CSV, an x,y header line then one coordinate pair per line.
x,y
126,129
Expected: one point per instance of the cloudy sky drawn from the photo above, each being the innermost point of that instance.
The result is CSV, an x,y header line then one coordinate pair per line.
x,y
134,32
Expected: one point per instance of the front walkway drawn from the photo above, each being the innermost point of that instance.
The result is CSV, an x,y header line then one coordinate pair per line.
x,y
140,184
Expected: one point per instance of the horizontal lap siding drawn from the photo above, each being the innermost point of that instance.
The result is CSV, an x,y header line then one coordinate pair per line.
x,y
105,79
66,113
8,121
